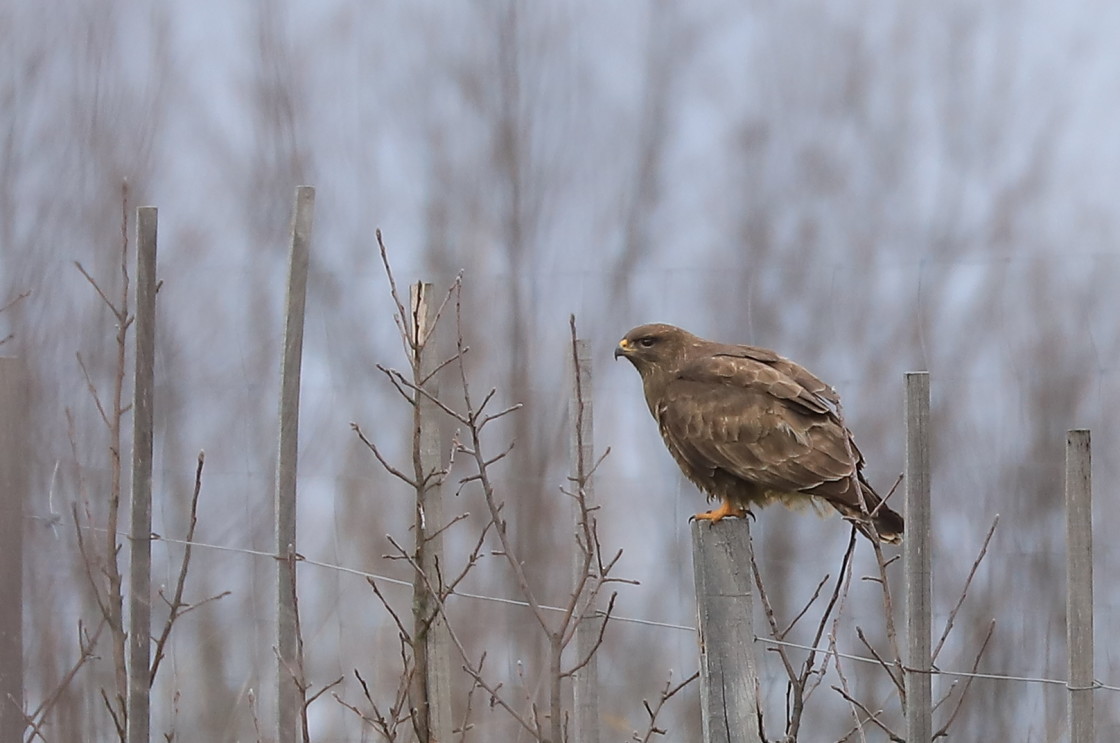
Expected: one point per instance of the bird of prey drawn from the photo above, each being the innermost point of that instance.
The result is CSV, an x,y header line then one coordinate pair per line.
x,y
749,427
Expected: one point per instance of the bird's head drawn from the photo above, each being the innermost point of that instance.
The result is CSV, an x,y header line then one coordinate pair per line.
x,y
656,348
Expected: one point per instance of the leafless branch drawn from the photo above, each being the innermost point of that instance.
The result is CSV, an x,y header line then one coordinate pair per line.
x,y
402,383
888,615
883,663
606,617
296,672
86,645
844,690
465,726
667,693
176,605
108,302
482,474
812,599
451,291
10,304
401,311
88,563
251,700
943,731
432,582
964,590
110,599
384,462
119,717
894,488
799,685
439,532
13,302
413,342
869,716
387,722
441,365
389,608
93,392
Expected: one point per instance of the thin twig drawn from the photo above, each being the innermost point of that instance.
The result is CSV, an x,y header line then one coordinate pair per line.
x,y
964,590
667,693
886,666
18,298
384,462
606,617
251,699
93,392
177,606
86,645
92,282
872,717
844,688
943,731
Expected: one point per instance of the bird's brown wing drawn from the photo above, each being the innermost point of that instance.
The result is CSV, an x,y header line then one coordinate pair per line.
x,y
749,418
808,381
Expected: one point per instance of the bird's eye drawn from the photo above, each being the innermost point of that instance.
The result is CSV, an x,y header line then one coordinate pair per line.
x,y
646,342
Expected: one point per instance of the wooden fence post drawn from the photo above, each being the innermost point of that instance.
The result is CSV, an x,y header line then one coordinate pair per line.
x,y
140,528
728,679
581,452
434,654
288,697
14,452
1079,584
916,561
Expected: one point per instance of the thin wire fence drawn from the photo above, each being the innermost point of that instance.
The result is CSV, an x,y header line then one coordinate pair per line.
x,y
304,560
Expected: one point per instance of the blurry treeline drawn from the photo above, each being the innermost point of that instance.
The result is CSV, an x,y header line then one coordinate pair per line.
x,y
867,188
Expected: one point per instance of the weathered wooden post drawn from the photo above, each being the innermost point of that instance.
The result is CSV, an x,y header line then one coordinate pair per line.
x,y
140,530
724,598
433,653
288,697
916,561
14,453
581,452
1079,584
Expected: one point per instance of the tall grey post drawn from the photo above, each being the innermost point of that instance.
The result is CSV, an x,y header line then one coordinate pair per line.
x,y
724,598
581,452
140,571
434,656
1079,584
14,452
916,561
288,698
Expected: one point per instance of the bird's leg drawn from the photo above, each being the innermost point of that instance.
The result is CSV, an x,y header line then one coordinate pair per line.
x,y
724,510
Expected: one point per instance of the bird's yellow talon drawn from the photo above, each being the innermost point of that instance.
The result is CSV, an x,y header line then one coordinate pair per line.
x,y
718,514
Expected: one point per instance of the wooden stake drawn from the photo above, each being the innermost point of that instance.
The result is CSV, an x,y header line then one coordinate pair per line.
x,y
580,454
288,697
14,453
916,561
434,652
140,571
1079,584
724,599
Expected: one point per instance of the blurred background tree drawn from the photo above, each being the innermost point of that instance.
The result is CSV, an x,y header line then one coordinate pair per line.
x,y
867,188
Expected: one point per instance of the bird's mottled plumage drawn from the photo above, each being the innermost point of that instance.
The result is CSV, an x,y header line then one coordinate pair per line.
x,y
750,427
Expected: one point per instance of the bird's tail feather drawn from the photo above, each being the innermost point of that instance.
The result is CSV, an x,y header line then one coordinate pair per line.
x,y
887,524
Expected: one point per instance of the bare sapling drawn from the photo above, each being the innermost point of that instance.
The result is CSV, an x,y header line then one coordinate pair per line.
x,y
543,716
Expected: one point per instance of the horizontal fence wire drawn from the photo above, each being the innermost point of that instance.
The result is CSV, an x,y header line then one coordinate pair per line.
x,y
1097,684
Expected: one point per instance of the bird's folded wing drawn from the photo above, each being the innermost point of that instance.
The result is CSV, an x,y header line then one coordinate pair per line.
x,y
756,423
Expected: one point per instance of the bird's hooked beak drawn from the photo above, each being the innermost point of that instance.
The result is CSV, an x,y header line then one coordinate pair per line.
x,y
622,349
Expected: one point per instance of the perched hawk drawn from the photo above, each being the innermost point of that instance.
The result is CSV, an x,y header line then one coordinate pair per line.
x,y
749,427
